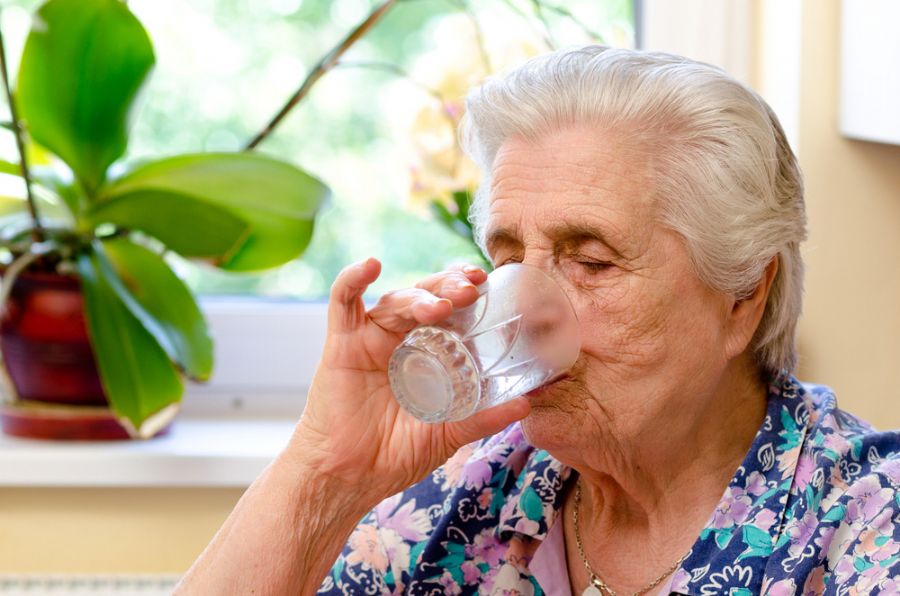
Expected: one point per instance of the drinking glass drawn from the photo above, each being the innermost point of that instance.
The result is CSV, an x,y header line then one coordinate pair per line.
x,y
519,334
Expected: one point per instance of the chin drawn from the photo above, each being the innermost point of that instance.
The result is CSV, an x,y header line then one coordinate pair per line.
x,y
556,416
550,428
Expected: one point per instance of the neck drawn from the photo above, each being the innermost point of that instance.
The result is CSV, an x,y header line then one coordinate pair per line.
x,y
645,497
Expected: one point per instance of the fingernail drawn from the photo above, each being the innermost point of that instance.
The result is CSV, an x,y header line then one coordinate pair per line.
x,y
462,285
471,269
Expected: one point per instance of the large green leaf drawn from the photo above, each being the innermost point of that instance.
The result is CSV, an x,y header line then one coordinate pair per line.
x,y
277,200
185,225
83,64
162,303
137,374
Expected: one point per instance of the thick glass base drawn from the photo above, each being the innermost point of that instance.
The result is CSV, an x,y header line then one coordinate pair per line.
x,y
434,377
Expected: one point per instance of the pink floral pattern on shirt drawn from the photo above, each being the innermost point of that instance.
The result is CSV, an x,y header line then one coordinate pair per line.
x,y
813,509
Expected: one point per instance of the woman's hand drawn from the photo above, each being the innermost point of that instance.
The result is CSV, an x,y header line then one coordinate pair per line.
x,y
352,429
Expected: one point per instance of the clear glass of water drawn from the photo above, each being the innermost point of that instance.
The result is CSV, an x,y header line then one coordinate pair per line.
x,y
519,334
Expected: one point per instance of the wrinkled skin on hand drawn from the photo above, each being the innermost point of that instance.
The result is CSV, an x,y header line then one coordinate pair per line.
x,y
353,428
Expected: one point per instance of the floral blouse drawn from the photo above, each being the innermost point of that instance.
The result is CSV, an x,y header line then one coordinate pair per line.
x,y
813,509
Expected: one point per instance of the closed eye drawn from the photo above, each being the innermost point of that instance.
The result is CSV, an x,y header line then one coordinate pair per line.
x,y
507,261
594,266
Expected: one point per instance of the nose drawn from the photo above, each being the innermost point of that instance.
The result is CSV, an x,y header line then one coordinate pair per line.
x,y
546,262
542,259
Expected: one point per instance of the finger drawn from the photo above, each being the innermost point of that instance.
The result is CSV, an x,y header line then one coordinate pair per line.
x,y
463,272
487,422
476,274
402,310
346,310
457,284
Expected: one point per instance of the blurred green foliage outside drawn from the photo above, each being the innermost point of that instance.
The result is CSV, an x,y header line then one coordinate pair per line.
x,y
379,137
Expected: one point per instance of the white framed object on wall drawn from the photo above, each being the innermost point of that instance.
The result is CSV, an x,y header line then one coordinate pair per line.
x,y
870,70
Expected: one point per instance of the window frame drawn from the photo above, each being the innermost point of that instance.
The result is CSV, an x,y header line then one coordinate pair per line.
x,y
267,350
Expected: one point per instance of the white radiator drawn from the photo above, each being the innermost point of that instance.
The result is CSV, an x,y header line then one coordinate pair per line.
x,y
87,585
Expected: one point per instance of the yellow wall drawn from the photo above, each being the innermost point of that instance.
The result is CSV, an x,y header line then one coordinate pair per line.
x,y
108,530
850,339
850,331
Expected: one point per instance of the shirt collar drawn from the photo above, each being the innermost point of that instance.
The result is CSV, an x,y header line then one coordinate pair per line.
x,y
732,551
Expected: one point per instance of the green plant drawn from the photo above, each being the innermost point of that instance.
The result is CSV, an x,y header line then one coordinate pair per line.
x,y
83,65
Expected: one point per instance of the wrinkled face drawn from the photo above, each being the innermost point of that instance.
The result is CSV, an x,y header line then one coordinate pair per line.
x,y
581,206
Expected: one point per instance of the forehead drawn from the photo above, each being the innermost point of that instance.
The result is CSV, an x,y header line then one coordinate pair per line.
x,y
579,177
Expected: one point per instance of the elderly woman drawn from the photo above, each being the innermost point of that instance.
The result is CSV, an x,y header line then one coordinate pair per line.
x,y
678,455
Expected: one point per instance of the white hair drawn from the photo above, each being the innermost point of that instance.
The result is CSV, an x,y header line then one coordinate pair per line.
x,y
725,177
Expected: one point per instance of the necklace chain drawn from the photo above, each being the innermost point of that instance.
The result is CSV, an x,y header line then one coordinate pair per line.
x,y
596,581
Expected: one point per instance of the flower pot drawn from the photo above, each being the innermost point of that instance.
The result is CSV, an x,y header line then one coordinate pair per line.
x,y
57,393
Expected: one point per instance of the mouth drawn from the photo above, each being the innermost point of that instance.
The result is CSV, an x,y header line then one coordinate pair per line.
x,y
546,388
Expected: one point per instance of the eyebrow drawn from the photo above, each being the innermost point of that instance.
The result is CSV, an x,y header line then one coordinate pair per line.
x,y
561,234
501,237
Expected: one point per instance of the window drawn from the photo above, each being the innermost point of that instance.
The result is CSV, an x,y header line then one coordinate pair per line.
x,y
373,129
379,130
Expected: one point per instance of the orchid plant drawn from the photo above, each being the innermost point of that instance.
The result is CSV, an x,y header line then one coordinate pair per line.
x,y
83,65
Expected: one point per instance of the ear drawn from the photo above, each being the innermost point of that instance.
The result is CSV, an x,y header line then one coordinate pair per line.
x,y
747,313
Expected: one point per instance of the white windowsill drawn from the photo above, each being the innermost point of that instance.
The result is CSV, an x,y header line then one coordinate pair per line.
x,y
196,453
228,430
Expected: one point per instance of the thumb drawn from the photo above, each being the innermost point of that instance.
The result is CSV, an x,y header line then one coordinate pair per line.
x,y
487,422
345,307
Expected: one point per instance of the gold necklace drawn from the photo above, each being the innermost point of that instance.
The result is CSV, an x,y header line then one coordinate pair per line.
x,y
597,586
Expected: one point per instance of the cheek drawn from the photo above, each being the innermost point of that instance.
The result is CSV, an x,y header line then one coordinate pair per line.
x,y
624,323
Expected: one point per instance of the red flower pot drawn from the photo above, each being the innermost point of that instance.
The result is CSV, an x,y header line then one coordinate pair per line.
x,y
49,359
